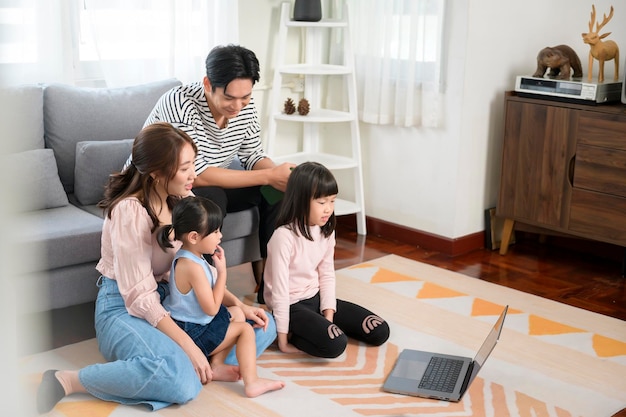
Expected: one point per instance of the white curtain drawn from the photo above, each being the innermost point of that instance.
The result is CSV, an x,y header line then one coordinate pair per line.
x,y
398,57
112,43
33,46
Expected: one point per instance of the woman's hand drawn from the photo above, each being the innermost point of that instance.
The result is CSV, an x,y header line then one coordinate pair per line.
x,y
200,363
257,315
198,359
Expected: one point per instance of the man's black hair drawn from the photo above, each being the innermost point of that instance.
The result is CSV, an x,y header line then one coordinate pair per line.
x,y
228,62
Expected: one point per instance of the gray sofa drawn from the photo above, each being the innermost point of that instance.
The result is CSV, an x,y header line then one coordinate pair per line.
x,y
66,140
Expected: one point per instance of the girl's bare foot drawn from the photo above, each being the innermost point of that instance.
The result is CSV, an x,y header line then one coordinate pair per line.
x,y
261,386
223,372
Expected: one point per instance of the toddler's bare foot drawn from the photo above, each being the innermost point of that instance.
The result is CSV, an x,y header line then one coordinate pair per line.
x,y
261,386
223,372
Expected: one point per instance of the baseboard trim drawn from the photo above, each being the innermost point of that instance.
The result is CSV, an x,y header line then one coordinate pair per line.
x,y
425,240
474,241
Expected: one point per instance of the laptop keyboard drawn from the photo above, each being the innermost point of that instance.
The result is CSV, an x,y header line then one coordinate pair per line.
x,y
441,374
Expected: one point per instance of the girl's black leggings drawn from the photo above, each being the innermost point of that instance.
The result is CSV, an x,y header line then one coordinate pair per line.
x,y
312,333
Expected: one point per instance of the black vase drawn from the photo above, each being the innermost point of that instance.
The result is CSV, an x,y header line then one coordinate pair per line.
x,y
307,10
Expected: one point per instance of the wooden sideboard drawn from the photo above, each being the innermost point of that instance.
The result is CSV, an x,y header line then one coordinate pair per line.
x,y
564,169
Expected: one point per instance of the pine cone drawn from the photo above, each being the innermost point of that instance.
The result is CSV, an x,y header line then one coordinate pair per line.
x,y
303,107
290,107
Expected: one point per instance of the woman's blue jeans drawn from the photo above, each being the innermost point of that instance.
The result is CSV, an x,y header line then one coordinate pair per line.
x,y
144,366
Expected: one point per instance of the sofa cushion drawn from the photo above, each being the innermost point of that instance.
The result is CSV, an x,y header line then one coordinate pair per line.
x,y
62,236
21,118
240,224
40,188
95,161
74,114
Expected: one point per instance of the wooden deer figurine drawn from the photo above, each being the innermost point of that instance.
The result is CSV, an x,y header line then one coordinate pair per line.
x,y
602,51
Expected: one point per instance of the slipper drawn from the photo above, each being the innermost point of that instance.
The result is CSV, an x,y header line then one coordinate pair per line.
x,y
50,392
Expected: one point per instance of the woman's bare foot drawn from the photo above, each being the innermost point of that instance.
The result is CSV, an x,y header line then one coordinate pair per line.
x,y
261,386
223,372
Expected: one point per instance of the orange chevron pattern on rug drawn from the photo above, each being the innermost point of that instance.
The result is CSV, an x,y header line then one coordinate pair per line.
x,y
430,290
603,346
606,347
354,381
552,360
540,326
91,408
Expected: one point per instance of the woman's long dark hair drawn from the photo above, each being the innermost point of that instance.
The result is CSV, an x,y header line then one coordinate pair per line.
x,y
191,214
307,181
156,150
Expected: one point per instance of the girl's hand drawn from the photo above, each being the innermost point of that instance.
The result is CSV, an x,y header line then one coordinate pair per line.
x,y
219,259
288,348
329,314
285,346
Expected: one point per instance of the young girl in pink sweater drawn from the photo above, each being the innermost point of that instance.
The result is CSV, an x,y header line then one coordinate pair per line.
x,y
300,274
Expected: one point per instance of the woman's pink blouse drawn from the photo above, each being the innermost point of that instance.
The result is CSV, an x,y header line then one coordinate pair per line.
x,y
131,255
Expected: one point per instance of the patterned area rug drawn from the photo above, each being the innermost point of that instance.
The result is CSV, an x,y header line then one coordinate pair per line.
x,y
552,360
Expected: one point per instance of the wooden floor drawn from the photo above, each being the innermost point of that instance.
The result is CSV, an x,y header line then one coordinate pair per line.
x,y
592,281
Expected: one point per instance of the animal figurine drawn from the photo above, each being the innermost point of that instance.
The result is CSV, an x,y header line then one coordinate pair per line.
x,y
602,51
559,61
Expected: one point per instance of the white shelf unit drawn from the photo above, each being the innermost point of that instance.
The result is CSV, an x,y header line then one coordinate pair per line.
x,y
315,71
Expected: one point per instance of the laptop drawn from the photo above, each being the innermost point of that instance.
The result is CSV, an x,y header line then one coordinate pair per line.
x,y
437,375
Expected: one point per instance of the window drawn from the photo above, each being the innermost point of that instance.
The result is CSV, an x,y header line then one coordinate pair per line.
x,y
30,44
111,42
19,33
397,49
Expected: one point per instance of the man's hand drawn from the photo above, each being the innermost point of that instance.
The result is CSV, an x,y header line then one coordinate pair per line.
x,y
264,172
280,174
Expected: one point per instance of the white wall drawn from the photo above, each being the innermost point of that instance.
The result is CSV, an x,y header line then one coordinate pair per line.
x,y
440,181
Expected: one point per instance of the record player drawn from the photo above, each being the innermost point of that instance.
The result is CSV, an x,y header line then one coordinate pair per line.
x,y
591,92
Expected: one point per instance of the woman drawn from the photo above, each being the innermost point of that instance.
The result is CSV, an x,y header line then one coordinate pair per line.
x,y
151,360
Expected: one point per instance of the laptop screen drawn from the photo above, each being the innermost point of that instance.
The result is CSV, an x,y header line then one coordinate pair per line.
x,y
488,345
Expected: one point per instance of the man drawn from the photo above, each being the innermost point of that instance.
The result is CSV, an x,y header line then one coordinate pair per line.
x,y
220,116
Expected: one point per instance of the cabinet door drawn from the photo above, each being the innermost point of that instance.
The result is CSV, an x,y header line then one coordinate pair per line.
x,y
537,155
598,206
598,216
601,153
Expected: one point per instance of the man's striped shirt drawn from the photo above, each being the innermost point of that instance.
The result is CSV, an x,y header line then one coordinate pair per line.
x,y
186,108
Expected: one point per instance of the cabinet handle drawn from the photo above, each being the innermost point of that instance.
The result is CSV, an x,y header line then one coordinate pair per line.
x,y
570,174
